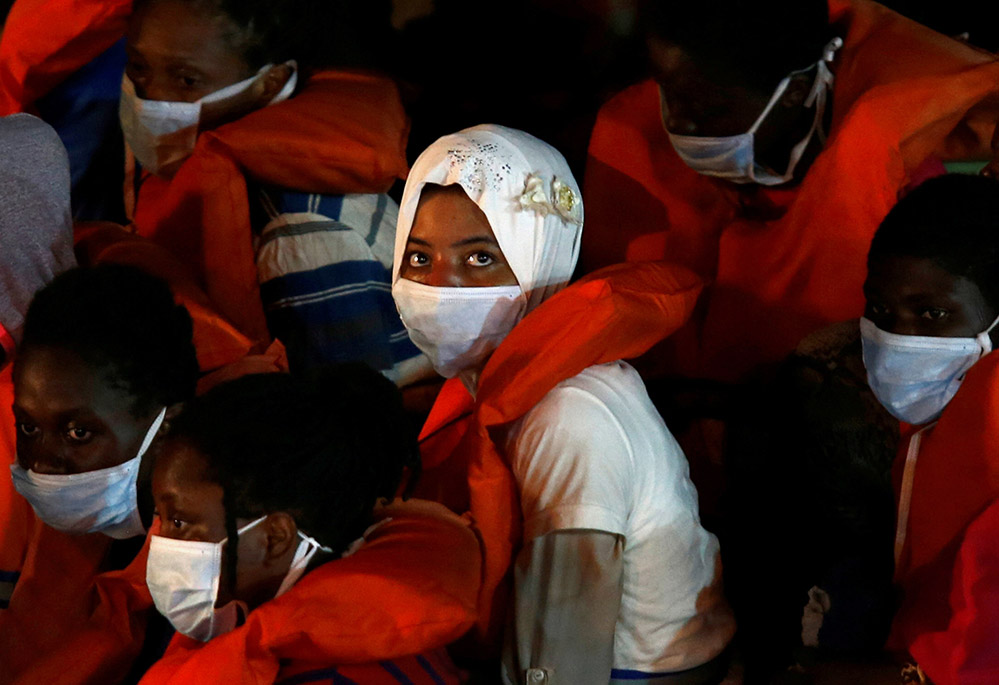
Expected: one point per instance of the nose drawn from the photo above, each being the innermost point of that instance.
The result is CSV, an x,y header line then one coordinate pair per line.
x,y
442,273
677,123
674,118
42,457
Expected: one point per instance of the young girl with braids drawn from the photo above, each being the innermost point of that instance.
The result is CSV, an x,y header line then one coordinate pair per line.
x,y
280,554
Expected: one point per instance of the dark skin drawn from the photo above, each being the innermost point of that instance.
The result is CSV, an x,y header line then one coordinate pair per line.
x,y
73,418
190,506
452,244
698,101
914,296
179,52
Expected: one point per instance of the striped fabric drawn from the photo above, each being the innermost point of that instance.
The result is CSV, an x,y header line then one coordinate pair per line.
x,y
324,265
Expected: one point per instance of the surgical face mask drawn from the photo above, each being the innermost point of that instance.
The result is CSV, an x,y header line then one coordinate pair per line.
x,y
183,577
458,328
161,134
104,501
916,376
733,157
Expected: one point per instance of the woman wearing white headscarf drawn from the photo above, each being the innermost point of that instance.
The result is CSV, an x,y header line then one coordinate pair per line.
x,y
615,578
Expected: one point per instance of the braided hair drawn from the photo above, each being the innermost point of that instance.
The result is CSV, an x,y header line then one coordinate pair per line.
x,y
323,449
124,322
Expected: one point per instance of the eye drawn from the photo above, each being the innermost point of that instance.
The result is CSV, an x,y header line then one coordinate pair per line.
x,y
79,434
418,259
480,259
875,309
28,430
934,314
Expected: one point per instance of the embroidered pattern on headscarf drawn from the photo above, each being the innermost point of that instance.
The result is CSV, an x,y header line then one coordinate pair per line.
x,y
480,163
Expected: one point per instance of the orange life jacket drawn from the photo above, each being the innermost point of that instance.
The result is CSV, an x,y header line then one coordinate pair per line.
x,y
786,261
409,590
343,133
43,42
617,313
948,569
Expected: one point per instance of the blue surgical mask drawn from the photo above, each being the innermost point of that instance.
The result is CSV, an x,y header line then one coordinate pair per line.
x,y
102,501
733,157
916,376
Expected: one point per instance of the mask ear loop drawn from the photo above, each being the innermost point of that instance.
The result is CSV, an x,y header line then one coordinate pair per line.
x,y
817,96
984,340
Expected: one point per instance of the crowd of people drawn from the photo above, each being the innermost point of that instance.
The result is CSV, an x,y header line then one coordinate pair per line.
x,y
286,400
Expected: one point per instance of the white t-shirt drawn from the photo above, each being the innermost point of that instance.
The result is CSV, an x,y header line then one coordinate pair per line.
x,y
595,454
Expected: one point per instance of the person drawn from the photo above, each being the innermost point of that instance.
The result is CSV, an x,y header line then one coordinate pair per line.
x,y
292,236
770,142
37,239
274,558
929,327
105,359
614,577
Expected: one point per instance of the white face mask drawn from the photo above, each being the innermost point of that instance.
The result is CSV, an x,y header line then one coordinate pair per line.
x,y
457,328
915,376
104,501
183,578
733,157
161,134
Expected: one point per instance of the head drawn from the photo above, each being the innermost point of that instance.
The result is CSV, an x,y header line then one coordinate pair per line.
x,y
719,63
105,349
488,207
309,456
184,50
36,232
933,266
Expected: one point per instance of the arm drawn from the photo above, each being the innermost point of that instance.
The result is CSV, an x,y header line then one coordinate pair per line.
x,y
567,597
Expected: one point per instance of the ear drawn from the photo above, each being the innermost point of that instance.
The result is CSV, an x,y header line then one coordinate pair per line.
x,y
271,83
797,91
282,538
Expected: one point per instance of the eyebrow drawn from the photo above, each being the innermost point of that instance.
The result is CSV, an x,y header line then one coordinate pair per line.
x,y
460,243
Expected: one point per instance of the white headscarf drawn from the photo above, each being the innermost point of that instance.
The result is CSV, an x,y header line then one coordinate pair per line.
x,y
525,189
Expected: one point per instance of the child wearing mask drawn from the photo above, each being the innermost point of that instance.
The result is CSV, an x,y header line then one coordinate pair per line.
x,y
279,557
266,171
924,348
928,331
105,358
614,577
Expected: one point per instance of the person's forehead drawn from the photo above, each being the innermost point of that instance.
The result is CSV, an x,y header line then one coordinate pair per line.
x,y
446,214
178,30
51,380
913,277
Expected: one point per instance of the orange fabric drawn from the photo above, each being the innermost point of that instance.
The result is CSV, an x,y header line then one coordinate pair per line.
x,y
344,133
409,589
949,567
45,41
617,313
786,261
218,342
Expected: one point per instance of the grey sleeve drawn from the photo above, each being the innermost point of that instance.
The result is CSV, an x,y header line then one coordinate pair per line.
x,y
36,230
566,602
